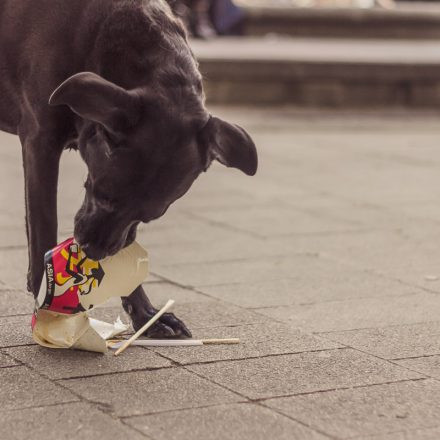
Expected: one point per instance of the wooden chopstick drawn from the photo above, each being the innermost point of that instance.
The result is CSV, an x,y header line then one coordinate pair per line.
x,y
145,327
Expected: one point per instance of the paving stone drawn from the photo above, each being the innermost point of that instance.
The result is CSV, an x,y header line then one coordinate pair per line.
x,y
15,330
272,220
235,422
301,373
6,361
209,314
65,421
23,388
427,365
313,280
144,392
358,314
12,235
356,213
255,340
393,342
419,434
231,246
14,267
63,364
395,253
227,272
160,293
189,230
372,410
15,302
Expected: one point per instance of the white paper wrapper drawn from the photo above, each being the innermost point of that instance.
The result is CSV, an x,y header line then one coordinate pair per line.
x,y
77,331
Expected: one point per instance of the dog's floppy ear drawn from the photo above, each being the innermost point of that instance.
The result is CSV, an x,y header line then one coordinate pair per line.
x,y
96,99
230,145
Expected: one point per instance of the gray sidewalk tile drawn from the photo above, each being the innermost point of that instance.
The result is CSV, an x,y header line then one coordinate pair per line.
x,y
397,341
372,410
12,235
178,227
209,314
22,388
427,365
358,314
66,421
14,267
159,293
6,361
15,302
232,422
273,220
416,434
64,364
312,280
230,247
143,392
15,330
255,340
227,272
302,373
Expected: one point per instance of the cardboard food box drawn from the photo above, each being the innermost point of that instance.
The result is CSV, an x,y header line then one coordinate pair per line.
x,y
73,284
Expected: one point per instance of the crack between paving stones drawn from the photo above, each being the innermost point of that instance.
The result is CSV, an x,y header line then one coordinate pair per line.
x,y
213,405
246,399
377,273
112,373
424,375
3,367
329,390
32,344
421,356
218,361
375,327
331,301
300,422
97,405
147,436
374,436
16,315
4,411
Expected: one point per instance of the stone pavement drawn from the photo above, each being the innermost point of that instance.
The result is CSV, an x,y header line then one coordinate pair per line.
x,y
326,265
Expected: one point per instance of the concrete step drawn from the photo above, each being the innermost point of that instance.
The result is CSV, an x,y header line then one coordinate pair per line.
x,y
408,20
321,72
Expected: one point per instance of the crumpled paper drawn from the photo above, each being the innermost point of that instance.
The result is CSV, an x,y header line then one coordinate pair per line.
x,y
74,284
78,331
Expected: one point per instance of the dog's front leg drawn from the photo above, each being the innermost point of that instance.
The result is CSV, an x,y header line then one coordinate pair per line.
x,y
140,310
41,163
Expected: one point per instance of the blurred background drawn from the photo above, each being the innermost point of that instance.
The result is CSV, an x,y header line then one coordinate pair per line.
x,y
332,53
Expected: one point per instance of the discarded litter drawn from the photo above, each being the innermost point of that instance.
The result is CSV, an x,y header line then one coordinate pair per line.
x,y
78,331
74,284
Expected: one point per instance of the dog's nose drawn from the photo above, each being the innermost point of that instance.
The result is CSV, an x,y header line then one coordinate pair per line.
x,y
92,252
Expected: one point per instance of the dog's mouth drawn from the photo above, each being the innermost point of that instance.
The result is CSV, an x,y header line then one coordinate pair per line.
x,y
99,251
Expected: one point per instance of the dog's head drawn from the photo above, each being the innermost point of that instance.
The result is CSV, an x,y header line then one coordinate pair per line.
x,y
142,154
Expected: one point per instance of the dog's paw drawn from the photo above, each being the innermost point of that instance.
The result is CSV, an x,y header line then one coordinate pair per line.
x,y
168,326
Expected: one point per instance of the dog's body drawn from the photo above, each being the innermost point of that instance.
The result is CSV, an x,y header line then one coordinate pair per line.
x,y
125,90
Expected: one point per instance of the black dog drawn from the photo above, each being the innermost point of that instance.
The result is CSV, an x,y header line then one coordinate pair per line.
x,y
125,91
